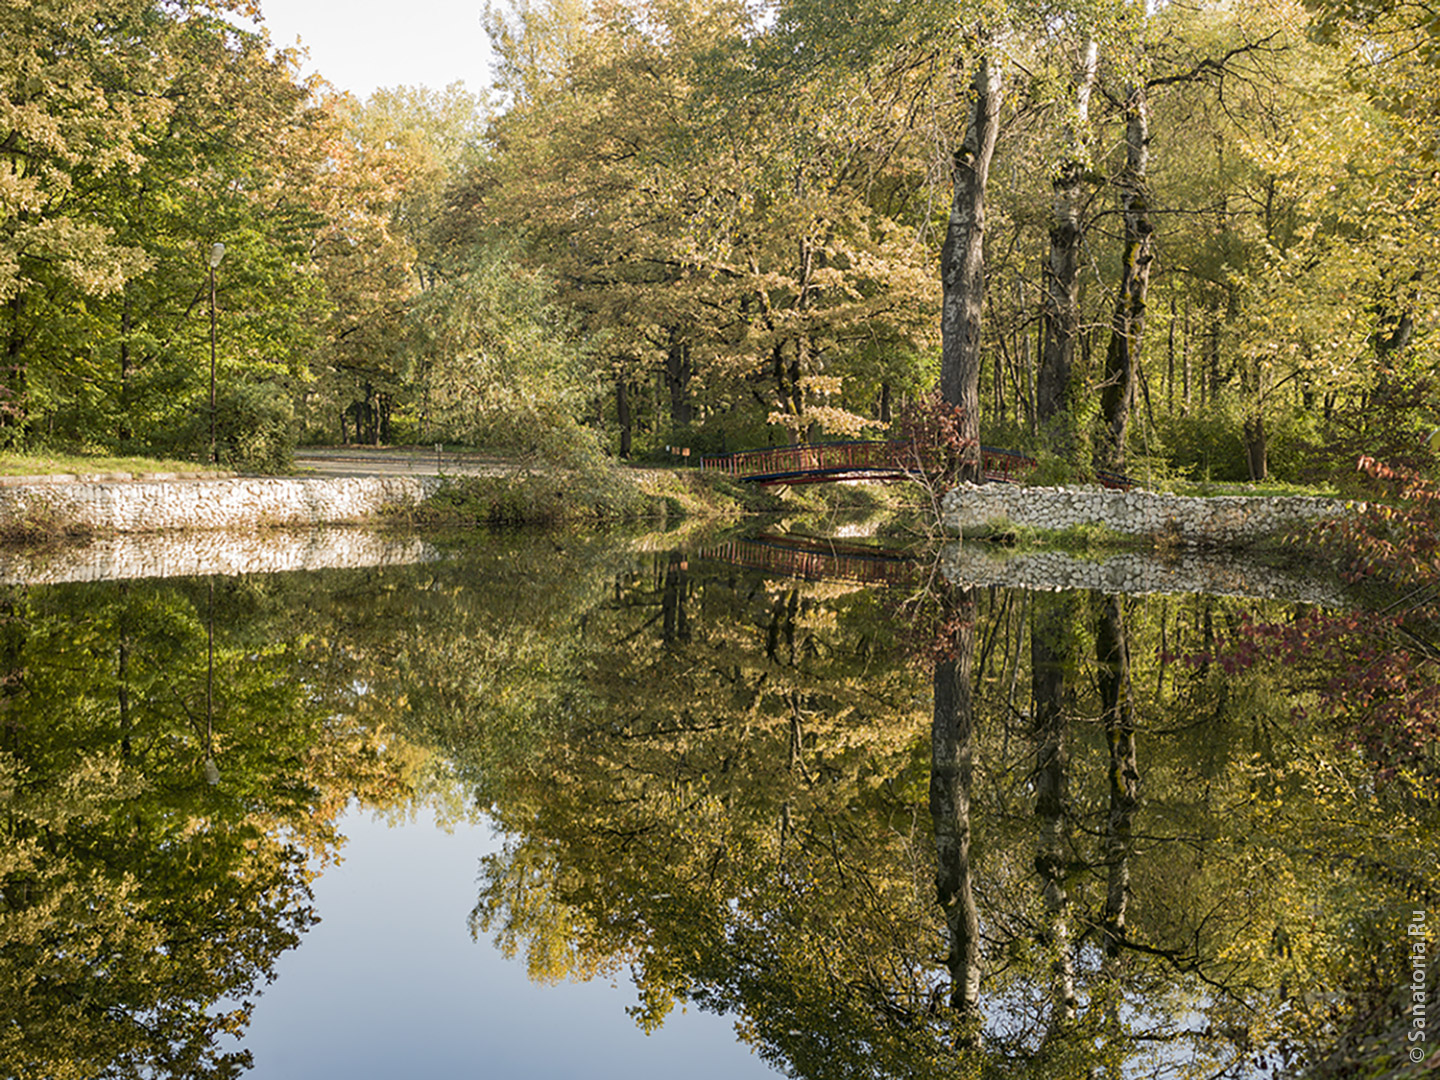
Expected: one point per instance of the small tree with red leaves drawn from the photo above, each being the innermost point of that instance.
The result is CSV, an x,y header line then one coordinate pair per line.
x,y
940,450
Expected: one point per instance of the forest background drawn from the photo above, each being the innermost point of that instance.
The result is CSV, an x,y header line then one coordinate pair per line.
x,y
1182,239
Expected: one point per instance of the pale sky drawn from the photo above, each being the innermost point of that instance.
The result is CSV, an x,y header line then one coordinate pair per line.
x,y
359,45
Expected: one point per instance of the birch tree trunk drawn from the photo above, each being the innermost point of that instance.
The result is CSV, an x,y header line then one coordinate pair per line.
x,y
962,260
1061,313
1128,325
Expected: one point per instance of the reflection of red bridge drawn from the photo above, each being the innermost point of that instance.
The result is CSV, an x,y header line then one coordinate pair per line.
x,y
813,559
815,463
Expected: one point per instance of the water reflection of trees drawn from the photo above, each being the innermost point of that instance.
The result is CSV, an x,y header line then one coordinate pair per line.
x,y
748,792
738,815
140,904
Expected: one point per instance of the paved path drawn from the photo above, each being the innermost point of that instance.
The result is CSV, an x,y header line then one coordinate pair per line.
x,y
317,462
357,461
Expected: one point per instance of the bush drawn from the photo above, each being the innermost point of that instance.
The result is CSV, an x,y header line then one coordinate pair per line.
x,y
1205,445
254,429
539,498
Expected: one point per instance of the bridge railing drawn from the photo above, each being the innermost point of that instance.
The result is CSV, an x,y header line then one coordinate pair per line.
x,y
813,458
896,456
893,459
815,559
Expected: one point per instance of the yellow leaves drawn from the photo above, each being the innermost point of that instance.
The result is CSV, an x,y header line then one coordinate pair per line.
x,y
829,419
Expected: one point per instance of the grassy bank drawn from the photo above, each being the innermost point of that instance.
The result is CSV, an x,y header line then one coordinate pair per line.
x,y
48,464
547,498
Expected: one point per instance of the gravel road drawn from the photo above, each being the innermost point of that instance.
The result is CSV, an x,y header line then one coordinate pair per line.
x,y
355,461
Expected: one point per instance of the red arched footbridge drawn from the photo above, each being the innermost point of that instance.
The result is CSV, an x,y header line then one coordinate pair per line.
x,y
818,463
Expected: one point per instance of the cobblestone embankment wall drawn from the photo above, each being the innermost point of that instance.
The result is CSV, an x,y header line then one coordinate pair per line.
x,y
1133,574
228,553
242,503
1186,519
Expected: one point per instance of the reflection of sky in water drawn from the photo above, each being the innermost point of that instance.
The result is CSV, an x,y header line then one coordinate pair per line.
x,y
389,984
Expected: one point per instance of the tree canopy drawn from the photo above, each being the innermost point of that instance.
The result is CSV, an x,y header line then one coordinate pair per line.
x,y
1201,245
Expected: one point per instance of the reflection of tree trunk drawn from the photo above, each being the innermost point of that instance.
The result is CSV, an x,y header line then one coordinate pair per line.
x,y
1112,653
952,747
1051,660
12,654
122,670
672,604
782,626
797,739
962,261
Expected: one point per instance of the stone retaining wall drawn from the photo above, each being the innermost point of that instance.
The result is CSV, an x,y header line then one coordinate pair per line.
x,y
241,503
1132,574
1221,520
228,553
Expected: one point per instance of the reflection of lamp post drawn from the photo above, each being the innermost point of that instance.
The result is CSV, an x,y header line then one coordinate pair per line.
x,y
217,252
212,772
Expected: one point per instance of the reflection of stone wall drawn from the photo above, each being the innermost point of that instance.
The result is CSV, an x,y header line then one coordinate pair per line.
x,y
158,506
119,558
1132,574
1223,519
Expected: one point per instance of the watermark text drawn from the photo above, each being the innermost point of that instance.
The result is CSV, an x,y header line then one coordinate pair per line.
x,y
1417,964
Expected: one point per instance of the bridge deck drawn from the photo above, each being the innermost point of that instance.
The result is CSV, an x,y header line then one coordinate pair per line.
x,y
816,463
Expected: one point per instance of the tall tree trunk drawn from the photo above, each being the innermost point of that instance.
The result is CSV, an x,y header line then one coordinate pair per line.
x,y
1117,713
952,752
1052,660
1257,456
12,390
1061,314
126,369
1185,361
1128,325
677,379
962,260
622,413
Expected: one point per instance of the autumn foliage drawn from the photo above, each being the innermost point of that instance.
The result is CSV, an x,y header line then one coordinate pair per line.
x,y
1372,672
935,431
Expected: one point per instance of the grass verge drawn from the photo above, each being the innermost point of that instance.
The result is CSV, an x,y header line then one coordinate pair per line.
x,y
595,496
76,464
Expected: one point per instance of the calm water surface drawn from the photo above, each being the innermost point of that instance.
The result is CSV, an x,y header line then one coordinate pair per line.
x,y
550,806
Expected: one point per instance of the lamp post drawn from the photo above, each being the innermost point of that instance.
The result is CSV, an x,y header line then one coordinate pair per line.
x,y
217,252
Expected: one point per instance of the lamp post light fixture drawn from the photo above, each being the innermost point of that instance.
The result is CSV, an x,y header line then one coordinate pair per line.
x,y
217,252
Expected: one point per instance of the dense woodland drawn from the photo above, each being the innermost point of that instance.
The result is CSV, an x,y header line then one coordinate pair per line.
x,y
1179,238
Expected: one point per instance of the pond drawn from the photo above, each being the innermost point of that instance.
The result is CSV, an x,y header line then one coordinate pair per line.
x,y
550,804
